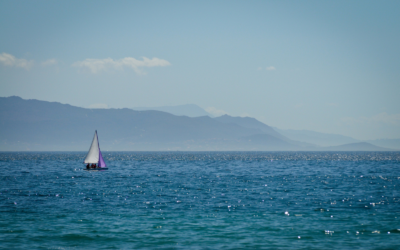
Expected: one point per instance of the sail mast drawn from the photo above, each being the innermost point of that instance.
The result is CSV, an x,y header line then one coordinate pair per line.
x,y
93,154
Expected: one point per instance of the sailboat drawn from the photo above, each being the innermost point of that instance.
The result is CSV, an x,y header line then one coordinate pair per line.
x,y
94,156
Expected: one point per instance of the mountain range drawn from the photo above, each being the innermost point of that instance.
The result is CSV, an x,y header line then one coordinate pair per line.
x,y
190,110
50,126
332,140
306,137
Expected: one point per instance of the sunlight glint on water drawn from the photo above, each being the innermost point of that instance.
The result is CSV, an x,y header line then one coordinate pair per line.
x,y
199,200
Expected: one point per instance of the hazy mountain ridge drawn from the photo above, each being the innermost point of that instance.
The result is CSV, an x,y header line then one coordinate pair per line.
x,y
40,125
316,138
249,122
331,140
386,143
358,146
191,110
51,126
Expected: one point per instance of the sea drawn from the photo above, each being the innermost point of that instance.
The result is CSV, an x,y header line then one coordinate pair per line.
x,y
201,200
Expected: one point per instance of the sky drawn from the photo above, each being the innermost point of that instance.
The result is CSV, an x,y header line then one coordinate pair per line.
x,y
326,66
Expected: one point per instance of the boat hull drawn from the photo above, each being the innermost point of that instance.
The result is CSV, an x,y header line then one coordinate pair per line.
x,y
95,169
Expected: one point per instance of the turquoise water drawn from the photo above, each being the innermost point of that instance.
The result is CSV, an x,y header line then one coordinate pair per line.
x,y
219,200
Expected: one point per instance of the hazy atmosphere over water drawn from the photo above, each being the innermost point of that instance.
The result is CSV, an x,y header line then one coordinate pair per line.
x,y
222,124
330,67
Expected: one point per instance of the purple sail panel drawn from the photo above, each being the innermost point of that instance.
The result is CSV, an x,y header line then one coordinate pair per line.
x,y
101,164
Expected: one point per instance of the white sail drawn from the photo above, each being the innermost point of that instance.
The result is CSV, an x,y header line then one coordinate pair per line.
x,y
93,155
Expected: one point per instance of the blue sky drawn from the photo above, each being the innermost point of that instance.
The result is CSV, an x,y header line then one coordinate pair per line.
x,y
327,66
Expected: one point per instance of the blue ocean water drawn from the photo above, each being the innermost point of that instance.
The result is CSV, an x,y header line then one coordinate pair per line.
x,y
201,200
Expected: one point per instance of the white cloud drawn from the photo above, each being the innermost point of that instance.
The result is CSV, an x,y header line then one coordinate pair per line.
x,y
393,119
49,62
12,61
98,106
215,112
97,65
270,68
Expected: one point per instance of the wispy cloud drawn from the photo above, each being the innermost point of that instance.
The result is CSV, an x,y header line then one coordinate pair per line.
x,y
49,62
12,61
269,68
384,117
215,112
97,65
